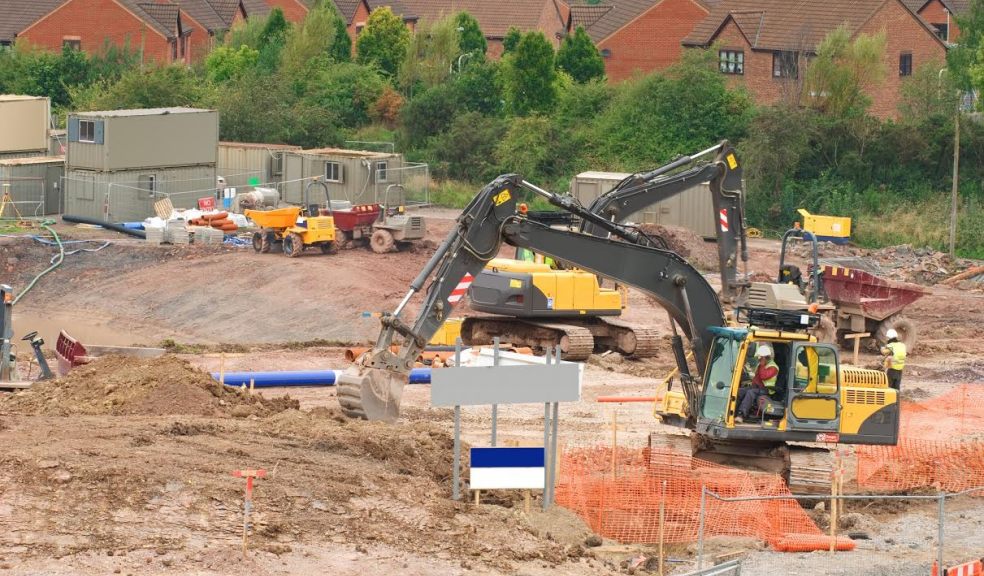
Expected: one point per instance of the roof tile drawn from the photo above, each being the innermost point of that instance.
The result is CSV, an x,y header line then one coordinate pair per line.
x,y
785,24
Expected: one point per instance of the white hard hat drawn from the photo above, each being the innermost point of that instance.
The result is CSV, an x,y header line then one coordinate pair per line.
x,y
763,351
891,333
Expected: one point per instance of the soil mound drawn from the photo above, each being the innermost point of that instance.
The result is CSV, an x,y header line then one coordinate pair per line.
x,y
150,386
687,243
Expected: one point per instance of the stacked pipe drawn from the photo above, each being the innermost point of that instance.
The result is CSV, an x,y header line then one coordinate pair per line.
x,y
217,220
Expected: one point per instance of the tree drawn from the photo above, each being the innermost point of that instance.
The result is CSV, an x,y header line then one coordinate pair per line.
x,y
158,87
579,57
383,42
778,138
309,46
341,45
529,74
843,70
511,39
275,28
472,40
966,55
430,55
224,63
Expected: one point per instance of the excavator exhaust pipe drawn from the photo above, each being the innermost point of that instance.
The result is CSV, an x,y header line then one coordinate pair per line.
x,y
370,393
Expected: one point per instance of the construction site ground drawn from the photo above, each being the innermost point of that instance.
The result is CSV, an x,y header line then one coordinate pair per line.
x,y
125,467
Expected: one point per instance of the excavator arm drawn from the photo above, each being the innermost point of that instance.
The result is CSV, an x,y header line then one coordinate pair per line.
x,y
723,175
372,388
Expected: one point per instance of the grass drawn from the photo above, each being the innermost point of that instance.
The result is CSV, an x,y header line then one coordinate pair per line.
x,y
924,224
457,194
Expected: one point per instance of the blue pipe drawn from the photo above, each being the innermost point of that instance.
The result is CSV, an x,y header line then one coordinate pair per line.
x,y
302,378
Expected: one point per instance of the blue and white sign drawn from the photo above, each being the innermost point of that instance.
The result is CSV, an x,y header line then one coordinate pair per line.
x,y
507,468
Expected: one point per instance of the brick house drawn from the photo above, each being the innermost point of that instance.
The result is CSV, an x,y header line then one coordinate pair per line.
x,y
356,13
939,14
766,45
638,35
19,14
159,31
496,17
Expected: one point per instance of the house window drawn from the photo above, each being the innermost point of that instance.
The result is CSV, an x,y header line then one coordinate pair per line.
x,y
905,65
87,131
943,31
358,29
72,43
785,64
381,168
147,182
333,172
731,61
606,52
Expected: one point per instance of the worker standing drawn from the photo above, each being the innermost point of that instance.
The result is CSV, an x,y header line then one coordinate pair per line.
x,y
763,383
895,353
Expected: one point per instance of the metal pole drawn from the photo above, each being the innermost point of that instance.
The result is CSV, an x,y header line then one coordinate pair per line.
x,y
954,194
553,451
456,465
939,552
495,407
700,528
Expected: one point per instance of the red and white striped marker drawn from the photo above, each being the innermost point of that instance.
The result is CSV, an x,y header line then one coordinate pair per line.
x,y
459,291
974,568
724,219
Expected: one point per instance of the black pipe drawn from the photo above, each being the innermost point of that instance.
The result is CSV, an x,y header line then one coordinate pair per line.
x,y
107,225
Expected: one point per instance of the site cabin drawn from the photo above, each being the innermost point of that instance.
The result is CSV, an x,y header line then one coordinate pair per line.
x,y
24,124
356,176
34,184
239,163
692,209
120,162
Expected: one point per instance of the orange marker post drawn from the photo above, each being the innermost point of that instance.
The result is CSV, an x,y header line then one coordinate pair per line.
x,y
248,503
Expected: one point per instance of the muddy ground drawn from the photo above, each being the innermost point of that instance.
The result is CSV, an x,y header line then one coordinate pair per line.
x,y
126,468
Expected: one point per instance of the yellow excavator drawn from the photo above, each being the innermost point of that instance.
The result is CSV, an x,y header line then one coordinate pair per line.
x,y
821,400
541,303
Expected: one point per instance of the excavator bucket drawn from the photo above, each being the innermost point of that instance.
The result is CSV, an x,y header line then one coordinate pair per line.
x,y
370,393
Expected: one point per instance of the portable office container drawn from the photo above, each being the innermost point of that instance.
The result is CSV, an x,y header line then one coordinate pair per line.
x,y
358,176
129,195
240,163
35,184
147,138
692,208
24,125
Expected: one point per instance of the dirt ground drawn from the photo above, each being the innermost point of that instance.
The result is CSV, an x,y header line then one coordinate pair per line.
x,y
125,466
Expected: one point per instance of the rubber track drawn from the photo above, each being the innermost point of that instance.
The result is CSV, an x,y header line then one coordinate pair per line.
x,y
647,339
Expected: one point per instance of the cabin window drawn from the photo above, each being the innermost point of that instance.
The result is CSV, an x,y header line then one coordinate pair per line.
x,y
87,131
333,172
381,171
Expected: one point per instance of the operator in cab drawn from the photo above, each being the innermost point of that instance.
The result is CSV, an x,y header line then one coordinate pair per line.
x,y
763,383
895,353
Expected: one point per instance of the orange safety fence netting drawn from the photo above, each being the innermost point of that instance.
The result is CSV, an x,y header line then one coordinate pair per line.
x,y
625,505
941,446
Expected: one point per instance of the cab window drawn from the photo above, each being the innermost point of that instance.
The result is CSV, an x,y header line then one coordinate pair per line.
x,y
717,384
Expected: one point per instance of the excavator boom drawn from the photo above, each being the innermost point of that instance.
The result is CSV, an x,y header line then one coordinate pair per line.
x,y
372,387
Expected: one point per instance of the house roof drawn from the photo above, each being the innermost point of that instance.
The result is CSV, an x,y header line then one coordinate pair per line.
x,y
959,7
787,24
399,8
494,17
19,14
602,20
161,16
586,15
205,13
